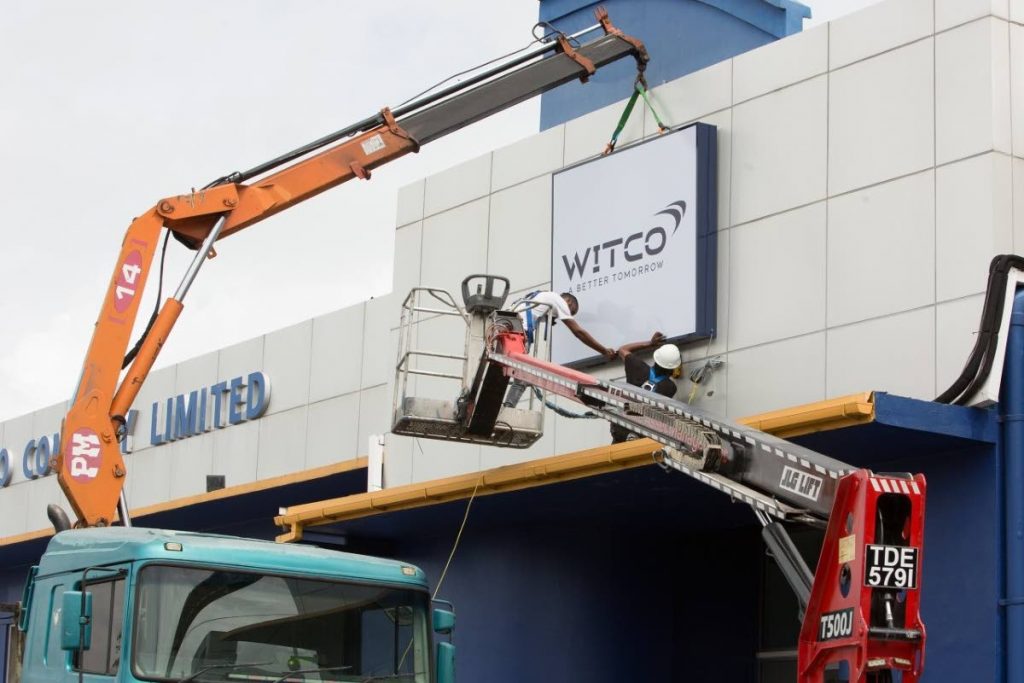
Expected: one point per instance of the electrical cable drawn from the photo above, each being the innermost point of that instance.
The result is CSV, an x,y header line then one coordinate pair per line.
x,y
458,537
130,356
979,363
702,374
369,122
511,433
451,555
474,68
559,410
551,31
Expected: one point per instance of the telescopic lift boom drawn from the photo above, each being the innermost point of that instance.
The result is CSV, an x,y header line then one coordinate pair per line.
x,y
862,602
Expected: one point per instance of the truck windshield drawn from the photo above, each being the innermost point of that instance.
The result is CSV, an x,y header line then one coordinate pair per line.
x,y
217,625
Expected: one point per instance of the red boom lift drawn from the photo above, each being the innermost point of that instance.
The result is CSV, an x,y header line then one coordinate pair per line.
x,y
862,603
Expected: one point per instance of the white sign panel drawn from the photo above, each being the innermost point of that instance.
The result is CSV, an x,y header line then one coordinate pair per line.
x,y
633,239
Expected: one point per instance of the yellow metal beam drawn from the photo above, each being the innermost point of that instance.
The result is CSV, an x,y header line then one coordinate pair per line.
x,y
27,536
227,492
833,413
805,419
787,423
509,478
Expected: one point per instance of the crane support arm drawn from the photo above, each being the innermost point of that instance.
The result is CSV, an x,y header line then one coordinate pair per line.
x,y
190,217
394,136
89,464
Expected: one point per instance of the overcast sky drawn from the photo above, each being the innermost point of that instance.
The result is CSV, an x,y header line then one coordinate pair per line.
x,y
105,107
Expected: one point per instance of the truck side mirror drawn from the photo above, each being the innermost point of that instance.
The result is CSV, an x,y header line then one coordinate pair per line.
x,y
76,620
445,663
444,621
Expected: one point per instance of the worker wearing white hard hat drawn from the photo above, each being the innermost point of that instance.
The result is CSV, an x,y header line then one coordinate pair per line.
x,y
539,310
657,377
667,357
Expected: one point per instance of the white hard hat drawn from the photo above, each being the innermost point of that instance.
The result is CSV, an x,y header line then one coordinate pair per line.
x,y
667,356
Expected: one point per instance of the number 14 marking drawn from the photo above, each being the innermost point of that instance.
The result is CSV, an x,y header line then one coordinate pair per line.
x,y
129,272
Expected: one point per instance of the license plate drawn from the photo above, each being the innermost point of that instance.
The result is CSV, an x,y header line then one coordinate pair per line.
x,y
891,566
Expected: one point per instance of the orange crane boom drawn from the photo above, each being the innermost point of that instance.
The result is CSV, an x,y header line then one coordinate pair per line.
x,y
89,464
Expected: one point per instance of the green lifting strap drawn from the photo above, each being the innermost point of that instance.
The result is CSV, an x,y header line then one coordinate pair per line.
x,y
639,90
654,112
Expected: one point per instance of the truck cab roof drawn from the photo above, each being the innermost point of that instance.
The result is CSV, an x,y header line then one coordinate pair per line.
x,y
77,549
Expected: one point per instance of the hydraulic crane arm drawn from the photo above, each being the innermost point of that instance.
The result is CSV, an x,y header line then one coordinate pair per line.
x,y
90,468
390,135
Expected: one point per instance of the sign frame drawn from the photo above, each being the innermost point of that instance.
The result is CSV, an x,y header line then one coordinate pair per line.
x,y
706,215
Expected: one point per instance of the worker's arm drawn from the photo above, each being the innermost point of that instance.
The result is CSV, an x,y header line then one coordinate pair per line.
x,y
627,349
585,337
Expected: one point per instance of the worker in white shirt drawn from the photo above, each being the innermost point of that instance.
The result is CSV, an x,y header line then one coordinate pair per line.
x,y
540,308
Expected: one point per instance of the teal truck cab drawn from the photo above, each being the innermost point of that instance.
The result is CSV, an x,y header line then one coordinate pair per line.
x,y
133,604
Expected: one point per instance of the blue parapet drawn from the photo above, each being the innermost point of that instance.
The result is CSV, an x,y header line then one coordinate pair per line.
x,y
1011,565
779,18
681,36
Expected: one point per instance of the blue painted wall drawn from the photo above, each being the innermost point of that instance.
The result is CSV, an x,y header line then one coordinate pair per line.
x,y
682,36
960,579
574,602
646,575
585,597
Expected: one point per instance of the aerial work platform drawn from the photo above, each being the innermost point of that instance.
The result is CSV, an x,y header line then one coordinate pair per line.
x,y
856,608
446,419
437,419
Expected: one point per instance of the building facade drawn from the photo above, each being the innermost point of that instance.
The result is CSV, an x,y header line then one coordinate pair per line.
x,y
868,170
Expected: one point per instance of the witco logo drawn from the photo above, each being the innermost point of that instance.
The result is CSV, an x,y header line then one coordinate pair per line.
x,y
633,248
